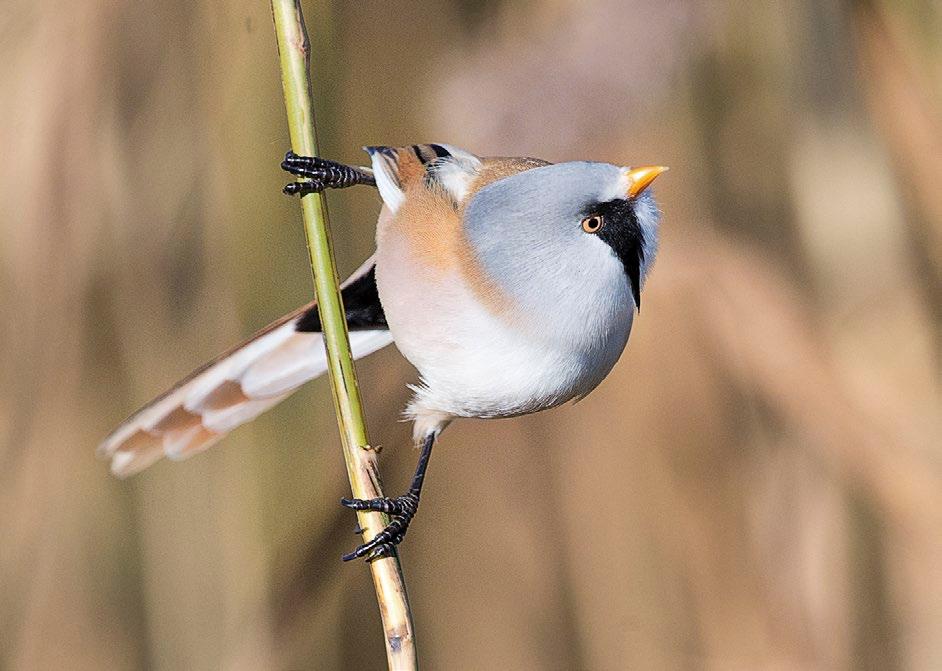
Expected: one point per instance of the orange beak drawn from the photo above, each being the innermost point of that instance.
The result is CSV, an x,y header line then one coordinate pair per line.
x,y
640,179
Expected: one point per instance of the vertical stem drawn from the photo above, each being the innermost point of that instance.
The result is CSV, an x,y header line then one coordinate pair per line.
x,y
294,51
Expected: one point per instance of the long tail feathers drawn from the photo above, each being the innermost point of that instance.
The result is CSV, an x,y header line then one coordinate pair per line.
x,y
232,390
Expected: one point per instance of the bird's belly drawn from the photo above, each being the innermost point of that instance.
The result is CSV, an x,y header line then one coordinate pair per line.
x,y
475,363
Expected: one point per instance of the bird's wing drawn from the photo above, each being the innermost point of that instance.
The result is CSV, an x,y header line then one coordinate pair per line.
x,y
443,169
244,382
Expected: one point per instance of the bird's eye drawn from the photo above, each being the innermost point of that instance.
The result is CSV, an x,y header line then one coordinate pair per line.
x,y
592,224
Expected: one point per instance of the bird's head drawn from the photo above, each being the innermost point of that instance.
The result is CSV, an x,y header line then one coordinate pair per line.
x,y
584,221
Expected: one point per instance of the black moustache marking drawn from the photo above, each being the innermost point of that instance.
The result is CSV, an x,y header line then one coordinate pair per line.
x,y
622,232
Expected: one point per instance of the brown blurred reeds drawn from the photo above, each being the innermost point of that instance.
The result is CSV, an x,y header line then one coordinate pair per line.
x,y
769,446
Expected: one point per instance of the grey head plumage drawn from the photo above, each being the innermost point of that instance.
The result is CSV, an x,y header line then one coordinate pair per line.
x,y
527,232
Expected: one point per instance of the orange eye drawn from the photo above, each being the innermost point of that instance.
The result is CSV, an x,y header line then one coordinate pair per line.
x,y
592,224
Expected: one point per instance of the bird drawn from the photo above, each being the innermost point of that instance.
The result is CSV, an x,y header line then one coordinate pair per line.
x,y
509,283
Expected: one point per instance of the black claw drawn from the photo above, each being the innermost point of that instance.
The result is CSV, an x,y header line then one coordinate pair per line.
x,y
324,174
302,188
397,506
384,550
383,538
401,508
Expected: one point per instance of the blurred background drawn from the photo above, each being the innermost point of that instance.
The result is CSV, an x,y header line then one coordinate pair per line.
x,y
758,484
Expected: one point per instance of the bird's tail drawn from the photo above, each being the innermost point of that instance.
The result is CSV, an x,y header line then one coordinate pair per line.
x,y
244,382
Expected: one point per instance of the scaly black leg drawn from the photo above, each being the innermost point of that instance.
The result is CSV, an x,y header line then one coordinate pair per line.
x,y
322,174
401,508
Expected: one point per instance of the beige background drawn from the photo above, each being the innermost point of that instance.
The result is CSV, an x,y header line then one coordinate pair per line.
x,y
758,485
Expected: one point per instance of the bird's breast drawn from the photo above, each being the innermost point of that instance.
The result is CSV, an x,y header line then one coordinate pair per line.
x,y
478,361
486,345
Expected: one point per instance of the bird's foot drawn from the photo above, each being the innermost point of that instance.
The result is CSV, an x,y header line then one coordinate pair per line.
x,y
401,508
322,174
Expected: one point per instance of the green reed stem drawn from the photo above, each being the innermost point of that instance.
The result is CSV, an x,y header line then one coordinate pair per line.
x,y
294,51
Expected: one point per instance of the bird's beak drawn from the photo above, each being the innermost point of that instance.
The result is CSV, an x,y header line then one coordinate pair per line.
x,y
640,179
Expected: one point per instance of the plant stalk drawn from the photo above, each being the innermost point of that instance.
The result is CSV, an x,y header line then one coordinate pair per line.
x,y
360,458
